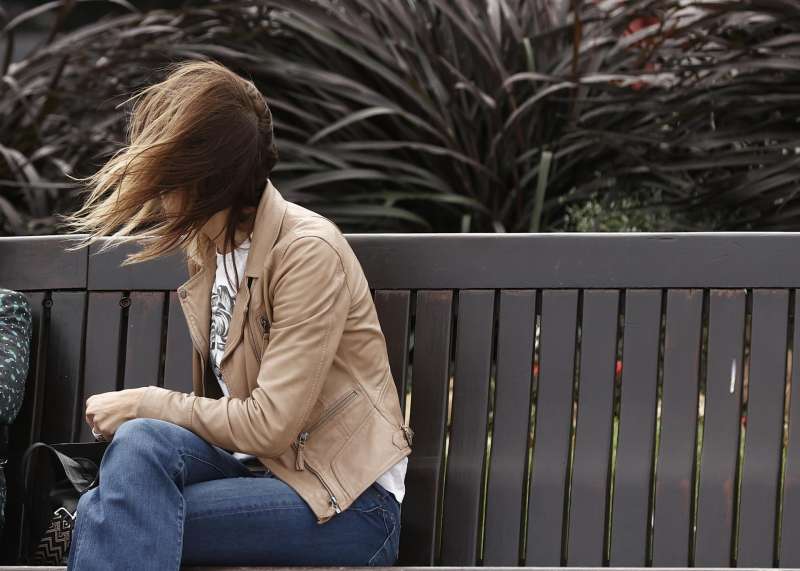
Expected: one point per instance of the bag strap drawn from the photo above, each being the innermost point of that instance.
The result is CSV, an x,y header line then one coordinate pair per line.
x,y
78,471
82,473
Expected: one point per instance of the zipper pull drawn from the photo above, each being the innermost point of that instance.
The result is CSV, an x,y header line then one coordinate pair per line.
x,y
335,504
301,442
408,433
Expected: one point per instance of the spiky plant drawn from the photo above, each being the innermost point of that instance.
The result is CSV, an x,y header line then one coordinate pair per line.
x,y
477,115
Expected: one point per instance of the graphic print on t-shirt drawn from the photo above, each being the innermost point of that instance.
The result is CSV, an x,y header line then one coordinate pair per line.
x,y
223,298
221,311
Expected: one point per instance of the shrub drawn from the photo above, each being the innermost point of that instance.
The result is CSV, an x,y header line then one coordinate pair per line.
x,y
446,116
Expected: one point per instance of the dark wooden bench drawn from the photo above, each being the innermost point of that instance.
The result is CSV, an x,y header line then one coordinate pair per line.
x,y
617,400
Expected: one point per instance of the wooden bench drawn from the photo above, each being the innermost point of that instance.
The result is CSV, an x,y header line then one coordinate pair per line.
x,y
617,400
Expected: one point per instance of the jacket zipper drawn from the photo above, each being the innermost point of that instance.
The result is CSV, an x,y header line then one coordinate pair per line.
x,y
333,500
202,373
303,436
253,346
338,405
253,338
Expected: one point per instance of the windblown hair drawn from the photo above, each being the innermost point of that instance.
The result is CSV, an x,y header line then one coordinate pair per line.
x,y
204,137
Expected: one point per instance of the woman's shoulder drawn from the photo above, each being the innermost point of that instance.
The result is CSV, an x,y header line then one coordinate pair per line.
x,y
301,222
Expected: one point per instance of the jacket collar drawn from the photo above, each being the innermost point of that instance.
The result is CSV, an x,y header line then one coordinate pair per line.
x,y
195,293
269,215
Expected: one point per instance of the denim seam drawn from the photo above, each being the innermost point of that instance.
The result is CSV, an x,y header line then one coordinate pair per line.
x,y
397,523
76,535
181,464
395,534
388,535
182,452
179,527
380,500
365,510
206,515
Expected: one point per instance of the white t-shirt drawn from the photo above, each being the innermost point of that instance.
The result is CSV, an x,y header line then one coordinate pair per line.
x,y
222,298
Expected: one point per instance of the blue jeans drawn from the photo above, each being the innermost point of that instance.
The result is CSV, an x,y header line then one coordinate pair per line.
x,y
168,498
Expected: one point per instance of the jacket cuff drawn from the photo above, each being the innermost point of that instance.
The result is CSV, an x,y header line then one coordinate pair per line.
x,y
165,404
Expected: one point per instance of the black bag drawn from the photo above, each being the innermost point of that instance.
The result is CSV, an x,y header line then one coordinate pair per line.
x,y
52,486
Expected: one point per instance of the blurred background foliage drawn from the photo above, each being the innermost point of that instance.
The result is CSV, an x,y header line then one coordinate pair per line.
x,y
438,115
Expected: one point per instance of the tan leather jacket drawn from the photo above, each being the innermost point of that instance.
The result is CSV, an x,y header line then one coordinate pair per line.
x,y
312,395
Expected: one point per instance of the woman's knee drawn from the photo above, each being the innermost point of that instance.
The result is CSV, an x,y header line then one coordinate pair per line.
x,y
144,436
140,445
138,429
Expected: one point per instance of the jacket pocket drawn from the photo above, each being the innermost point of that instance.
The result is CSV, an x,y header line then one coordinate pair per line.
x,y
336,407
368,453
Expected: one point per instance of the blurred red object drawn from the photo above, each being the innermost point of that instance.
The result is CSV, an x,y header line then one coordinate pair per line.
x,y
635,25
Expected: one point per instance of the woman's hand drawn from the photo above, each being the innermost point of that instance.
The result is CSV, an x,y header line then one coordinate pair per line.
x,y
106,411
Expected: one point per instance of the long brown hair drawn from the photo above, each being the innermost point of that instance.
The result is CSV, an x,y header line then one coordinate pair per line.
x,y
203,135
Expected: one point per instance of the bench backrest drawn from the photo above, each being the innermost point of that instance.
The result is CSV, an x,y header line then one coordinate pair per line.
x,y
577,400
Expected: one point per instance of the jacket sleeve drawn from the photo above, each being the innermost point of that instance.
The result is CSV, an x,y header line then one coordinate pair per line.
x,y
310,307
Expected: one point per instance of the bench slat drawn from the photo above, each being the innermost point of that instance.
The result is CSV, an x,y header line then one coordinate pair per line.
x,y
511,419
551,435
588,496
393,309
762,447
562,260
178,360
42,263
102,351
62,396
717,489
790,525
577,260
678,427
632,477
431,358
464,484
106,273
143,351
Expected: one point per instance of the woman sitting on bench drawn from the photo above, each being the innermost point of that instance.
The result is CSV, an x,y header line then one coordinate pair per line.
x,y
291,448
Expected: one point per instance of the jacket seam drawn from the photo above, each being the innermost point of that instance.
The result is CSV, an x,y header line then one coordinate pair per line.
x,y
386,383
325,347
373,410
304,416
331,246
394,459
191,414
358,381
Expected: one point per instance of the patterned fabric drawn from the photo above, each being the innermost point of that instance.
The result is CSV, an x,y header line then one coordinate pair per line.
x,y
52,485
16,323
223,294
53,548
15,337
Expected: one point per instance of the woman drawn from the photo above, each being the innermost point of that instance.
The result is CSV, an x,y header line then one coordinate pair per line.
x,y
291,449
